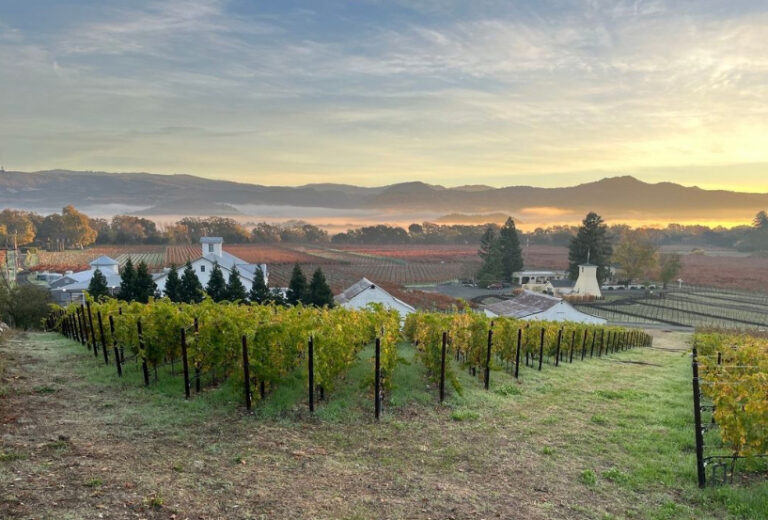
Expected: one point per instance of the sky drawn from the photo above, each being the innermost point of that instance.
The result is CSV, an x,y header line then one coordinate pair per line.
x,y
372,92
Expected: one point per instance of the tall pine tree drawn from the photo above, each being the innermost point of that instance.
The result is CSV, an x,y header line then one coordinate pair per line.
x,y
191,288
490,251
144,286
319,292
509,247
591,245
235,288
173,285
97,287
298,291
128,282
259,290
487,241
217,287
492,268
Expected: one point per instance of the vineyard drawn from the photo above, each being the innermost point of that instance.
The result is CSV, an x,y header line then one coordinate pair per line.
x,y
731,371
260,348
689,306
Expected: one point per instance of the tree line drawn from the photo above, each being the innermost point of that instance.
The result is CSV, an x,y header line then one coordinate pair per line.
x,y
74,229
137,285
636,255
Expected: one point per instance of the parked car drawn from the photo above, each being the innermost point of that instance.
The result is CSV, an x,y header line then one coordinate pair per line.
x,y
495,286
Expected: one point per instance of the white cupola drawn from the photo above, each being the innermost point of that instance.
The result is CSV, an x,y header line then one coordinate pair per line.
x,y
212,246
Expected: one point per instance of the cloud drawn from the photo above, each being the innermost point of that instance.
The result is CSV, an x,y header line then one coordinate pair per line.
x,y
435,89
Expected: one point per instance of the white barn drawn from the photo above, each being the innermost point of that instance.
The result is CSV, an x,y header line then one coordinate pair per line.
x,y
536,306
359,295
71,286
213,253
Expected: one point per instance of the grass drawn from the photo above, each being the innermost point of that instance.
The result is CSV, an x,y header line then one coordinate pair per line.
x,y
601,439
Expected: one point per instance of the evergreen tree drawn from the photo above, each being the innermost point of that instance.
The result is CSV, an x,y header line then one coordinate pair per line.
x,y
298,291
259,290
144,286
509,247
97,287
492,269
276,296
761,220
319,292
217,287
486,242
191,290
491,253
591,245
128,282
173,285
235,288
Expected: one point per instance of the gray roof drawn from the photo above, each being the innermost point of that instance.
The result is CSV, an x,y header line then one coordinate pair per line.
x,y
104,260
353,290
227,261
526,304
211,240
79,281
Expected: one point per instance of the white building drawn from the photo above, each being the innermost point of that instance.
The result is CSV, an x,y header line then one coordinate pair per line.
x,y
212,254
559,287
535,306
538,277
586,283
71,286
359,295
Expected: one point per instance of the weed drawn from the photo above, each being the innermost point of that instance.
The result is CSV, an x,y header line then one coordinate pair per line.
x,y
588,478
508,390
465,415
155,500
10,456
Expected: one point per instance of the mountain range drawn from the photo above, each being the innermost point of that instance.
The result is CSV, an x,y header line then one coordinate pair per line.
x,y
154,194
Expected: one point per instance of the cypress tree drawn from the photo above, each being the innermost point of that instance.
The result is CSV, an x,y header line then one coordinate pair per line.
x,y
191,288
319,292
259,290
97,287
128,282
173,285
276,296
235,289
144,286
486,242
492,268
591,245
297,287
217,287
511,254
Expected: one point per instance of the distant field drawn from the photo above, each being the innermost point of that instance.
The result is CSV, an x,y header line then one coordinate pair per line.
x,y
690,306
404,264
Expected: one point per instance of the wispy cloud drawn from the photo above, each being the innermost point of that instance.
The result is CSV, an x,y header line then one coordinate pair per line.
x,y
441,90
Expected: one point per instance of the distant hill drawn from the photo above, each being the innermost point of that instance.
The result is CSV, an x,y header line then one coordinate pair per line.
x,y
152,194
